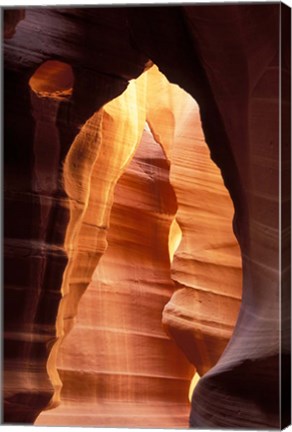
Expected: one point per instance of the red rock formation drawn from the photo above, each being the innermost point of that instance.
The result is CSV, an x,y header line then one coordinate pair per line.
x,y
148,374
11,19
207,265
227,58
225,73
92,167
117,365
39,130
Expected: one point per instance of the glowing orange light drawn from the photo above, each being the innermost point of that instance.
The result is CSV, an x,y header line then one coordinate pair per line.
x,y
174,238
52,78
194,382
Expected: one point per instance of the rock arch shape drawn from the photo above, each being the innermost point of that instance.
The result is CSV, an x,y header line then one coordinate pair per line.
x,y
173,118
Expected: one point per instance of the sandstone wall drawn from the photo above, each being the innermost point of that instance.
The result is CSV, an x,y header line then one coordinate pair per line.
x,y
117,366
227,58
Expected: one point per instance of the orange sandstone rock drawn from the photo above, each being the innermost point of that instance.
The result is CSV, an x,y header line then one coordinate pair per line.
x,y
227,57
117,365
117,352
207,264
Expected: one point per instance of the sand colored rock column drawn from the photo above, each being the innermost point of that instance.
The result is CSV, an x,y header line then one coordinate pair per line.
x,y
118,366
207,265
94,163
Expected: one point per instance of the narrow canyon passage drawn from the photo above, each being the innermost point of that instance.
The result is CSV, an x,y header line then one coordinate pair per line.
x,y
117,365
78,91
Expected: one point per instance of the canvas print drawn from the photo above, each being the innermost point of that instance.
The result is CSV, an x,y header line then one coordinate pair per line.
x,y
146,160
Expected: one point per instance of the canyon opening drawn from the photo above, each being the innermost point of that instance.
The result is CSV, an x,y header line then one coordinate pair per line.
x,y
149,230
146,216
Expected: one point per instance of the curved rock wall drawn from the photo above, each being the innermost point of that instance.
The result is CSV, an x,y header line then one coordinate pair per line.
x,y
126,364
117,365
227,58
207,265
38,132
96,159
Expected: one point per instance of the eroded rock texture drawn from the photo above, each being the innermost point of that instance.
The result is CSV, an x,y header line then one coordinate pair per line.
x,y
117,365
127,371
96,160
207,266
241,127
227,58
39,130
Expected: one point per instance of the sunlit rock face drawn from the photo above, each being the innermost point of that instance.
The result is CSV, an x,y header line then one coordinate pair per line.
x,y
117,353
233,75
64,155
97,158
207,266
117,365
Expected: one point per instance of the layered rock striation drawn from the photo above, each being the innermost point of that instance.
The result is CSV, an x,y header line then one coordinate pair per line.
x,y
235,81
117,365
63,156
41,123
207,265
127,371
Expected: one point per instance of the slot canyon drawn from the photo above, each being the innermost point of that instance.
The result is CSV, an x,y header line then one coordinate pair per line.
x,y
147,216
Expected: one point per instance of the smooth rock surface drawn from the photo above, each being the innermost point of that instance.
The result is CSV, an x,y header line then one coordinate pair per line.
x,y
117,353
227,58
